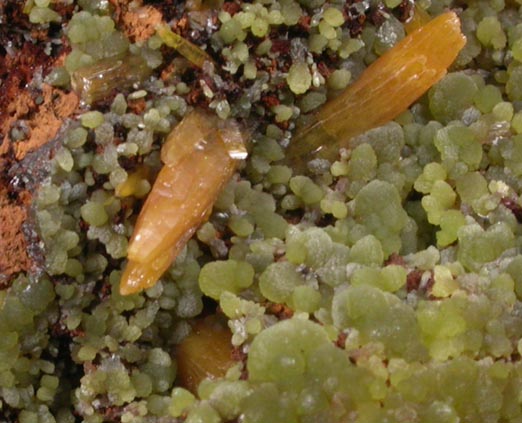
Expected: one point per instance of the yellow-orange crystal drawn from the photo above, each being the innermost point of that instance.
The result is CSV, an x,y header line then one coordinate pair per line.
x,y
200,156
191,52
384,90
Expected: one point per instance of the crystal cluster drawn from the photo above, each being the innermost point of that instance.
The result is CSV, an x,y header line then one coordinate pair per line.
x,y
383,284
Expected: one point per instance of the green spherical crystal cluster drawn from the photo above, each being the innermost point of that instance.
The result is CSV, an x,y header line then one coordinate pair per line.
x,y
40,13
385,286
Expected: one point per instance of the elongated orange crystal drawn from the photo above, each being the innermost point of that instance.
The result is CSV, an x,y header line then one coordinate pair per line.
x,y
200,156
384,90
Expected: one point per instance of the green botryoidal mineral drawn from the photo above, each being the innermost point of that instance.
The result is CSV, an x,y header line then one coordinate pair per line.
x,y
40,12
384,285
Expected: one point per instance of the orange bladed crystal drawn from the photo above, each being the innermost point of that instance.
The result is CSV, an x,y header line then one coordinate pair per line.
x,y
384,90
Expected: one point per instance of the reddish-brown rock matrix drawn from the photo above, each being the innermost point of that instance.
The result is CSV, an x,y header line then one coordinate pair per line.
x,y
36,111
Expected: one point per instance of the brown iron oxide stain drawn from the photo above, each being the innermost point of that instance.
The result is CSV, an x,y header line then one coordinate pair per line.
x,y
36,111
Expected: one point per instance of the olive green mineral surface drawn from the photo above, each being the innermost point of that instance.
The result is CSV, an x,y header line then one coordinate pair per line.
x,y
382,287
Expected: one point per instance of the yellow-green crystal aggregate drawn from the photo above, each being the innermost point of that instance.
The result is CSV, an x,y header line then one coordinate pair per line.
x,y
400,261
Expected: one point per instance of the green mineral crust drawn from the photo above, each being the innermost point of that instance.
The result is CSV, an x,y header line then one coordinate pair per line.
x,y
382,286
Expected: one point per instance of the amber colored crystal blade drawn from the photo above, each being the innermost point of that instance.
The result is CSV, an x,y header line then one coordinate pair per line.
x,y
190,51
98,81
179,200
384,90
190,134
137,277
199,162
